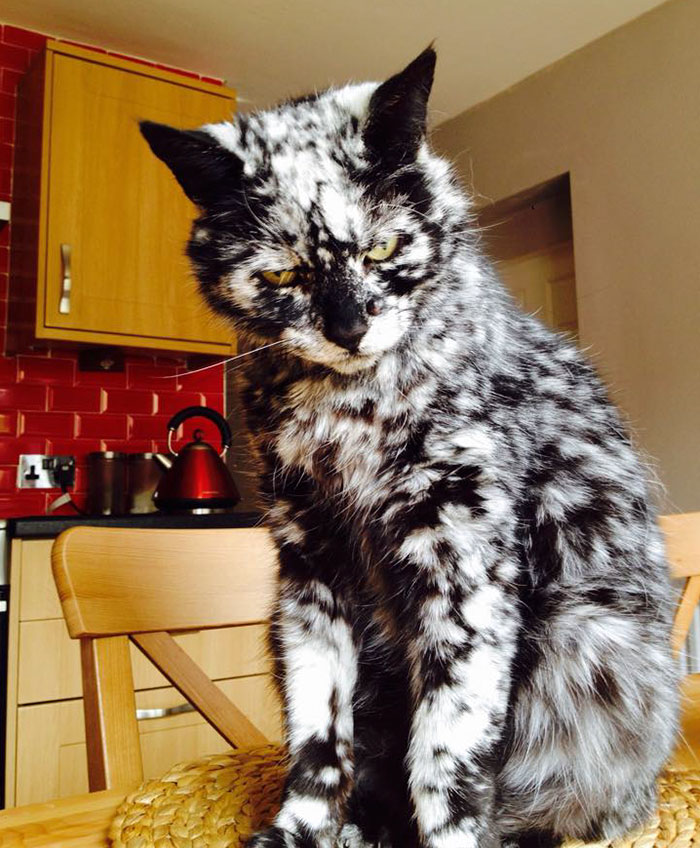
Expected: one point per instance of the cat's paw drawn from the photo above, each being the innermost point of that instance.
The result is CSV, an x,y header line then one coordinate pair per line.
x,y
271,837
351,837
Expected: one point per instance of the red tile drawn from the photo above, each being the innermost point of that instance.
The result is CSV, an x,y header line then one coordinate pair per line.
x,y
171,402
10,449
215,402
41,369
15,58
7,130
8,423
8,370
79,448
23,37
4,260
75,398
8,478
25,502
6,183
103,379
47,424
9,80
7,105
208,379
80,484
7,152
129,400
23,397
128,445
102,426
148,427
157,377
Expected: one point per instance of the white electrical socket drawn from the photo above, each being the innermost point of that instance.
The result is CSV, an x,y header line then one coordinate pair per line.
x,y
38,470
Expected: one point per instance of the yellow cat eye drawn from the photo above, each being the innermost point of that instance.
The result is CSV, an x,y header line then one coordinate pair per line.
x,y
383,250
280,278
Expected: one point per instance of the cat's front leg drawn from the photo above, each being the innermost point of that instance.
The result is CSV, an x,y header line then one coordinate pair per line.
x,y
460,613
316,666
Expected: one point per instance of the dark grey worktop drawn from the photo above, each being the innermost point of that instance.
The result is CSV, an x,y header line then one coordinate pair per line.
x,y
48,526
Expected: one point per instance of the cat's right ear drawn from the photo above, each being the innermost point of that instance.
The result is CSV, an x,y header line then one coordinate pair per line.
x,y
396,122
206,171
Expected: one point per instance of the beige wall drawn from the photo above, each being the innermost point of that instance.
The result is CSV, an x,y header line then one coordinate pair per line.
x,y
622,115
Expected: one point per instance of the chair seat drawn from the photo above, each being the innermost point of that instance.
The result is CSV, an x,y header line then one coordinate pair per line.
x,y
215,802
219,801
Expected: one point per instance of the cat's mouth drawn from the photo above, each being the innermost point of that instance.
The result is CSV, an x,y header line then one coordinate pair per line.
x,y
314,347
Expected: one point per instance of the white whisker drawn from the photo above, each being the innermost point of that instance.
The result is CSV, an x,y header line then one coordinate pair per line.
x,y
222,361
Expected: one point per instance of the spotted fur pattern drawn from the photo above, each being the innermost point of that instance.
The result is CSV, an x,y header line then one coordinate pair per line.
x,y
472,626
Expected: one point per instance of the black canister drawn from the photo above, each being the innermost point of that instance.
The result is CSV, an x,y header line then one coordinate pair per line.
x,y
106,484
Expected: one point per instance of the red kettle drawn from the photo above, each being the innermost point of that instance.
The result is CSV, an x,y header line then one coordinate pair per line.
x,y
196,480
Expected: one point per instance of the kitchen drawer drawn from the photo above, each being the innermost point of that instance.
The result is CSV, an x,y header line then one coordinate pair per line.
x,y
38,597
54,735
49,660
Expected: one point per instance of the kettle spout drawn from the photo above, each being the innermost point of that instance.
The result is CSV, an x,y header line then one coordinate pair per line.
x,y
163,460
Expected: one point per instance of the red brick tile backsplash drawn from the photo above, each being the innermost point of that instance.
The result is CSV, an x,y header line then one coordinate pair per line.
x,y
47,405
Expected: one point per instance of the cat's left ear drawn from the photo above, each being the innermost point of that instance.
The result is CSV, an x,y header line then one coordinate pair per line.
x,y
396,122
207,172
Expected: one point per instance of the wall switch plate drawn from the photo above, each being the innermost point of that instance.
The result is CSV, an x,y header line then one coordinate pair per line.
x,y
39,471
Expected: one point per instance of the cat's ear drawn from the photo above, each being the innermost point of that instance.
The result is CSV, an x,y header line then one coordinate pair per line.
x,y
396,122
206,171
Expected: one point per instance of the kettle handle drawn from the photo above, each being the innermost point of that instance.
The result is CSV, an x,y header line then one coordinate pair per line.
x,y
202,412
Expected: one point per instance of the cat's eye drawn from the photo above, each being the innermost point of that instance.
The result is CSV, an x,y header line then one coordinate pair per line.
x,y
383,250
281,278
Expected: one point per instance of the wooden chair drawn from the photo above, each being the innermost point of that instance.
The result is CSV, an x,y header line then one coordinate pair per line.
x,y
682,533
120,584
117,585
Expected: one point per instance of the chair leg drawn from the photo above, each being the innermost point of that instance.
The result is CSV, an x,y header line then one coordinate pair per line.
x,y
114,754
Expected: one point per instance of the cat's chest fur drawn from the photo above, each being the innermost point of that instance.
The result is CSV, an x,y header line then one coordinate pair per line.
x,y
341,435
363,442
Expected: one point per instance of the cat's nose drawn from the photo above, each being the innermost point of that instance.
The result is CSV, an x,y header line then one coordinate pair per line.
x,y
347,334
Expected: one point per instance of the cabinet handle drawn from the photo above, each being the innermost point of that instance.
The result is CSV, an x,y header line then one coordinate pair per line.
x,y
164,712
66,282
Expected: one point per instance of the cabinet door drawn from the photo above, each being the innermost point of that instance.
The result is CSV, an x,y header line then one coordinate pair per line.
x,y
49,660
117,215
51,753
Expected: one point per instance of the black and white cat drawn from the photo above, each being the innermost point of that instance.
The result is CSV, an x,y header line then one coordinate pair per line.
x,y
472,627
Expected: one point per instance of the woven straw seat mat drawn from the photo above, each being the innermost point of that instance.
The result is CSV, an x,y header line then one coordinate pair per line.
x,y
219,801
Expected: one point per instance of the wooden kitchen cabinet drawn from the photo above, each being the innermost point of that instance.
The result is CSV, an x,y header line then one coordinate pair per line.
x,y
45,727
99,224
52,759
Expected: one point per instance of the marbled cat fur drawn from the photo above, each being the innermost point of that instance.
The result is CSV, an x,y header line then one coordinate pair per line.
x,y
472,626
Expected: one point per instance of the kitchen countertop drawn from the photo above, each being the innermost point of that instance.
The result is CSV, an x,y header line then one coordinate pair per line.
x,y
48,526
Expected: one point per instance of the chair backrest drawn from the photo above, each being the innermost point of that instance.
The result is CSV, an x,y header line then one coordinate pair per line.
x,y
117,584
682,535
121,584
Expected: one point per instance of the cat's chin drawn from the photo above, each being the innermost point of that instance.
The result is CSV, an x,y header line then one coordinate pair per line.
x,y
353,364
